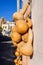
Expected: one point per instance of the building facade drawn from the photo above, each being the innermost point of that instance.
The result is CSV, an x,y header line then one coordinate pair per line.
x,y
7,28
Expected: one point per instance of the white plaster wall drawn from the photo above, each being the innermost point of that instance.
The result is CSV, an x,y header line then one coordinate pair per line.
x,y
37,18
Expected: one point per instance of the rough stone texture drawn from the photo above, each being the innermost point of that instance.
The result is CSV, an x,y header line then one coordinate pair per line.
x,y
37,18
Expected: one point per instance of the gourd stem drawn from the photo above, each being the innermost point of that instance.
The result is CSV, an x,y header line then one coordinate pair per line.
x,y
24,9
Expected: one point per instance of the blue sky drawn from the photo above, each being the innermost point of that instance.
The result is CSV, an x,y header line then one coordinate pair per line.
x,y
7,8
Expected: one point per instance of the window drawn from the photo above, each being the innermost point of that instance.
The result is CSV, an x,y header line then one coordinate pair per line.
x,y
5,27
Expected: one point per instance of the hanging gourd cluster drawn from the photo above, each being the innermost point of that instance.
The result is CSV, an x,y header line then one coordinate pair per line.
x,y
22,34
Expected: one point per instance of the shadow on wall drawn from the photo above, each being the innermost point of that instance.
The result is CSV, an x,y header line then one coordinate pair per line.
x,y
32,46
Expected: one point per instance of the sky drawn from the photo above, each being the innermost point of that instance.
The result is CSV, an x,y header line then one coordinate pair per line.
x,y
7,8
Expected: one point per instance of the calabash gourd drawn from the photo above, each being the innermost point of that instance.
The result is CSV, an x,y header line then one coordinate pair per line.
x,y
19,62
29,22
15,61
17,53
26,49
14,29
18,49
17,16
16,37
22,26
16,64
25,37
14,43
20,44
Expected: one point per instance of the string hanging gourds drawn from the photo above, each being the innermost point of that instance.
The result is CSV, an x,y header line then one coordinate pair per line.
x,y
22,35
